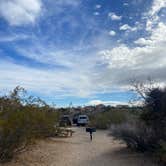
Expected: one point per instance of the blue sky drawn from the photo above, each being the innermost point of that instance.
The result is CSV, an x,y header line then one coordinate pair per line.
x,y
81,51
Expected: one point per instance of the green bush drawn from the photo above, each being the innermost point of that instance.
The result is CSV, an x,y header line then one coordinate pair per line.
x,y
161,152
103,120
22,123
100,121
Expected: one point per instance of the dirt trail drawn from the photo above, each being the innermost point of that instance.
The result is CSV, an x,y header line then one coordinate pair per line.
x,y
80,151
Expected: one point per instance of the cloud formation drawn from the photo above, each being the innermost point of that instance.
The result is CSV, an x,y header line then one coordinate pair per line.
x,y
75,50
145,59
20,12
127,27
112,103
112,33
113,16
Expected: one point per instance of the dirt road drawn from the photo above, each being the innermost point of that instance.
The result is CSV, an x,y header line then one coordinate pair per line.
x,y
80,151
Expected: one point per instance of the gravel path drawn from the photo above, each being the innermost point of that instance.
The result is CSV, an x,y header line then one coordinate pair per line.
x,y
80,151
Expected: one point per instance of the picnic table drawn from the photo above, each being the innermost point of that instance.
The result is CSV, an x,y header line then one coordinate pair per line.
x,y
65,131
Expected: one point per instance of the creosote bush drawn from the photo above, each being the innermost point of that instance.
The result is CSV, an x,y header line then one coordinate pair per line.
x,y
103,120
22,120
148,131
135,134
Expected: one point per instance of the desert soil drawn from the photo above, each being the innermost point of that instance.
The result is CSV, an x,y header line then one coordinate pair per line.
x,y
78,150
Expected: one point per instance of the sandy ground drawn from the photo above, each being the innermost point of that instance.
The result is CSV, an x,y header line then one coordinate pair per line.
x,y
80,151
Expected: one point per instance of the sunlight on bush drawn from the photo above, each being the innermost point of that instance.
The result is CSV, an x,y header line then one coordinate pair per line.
x,y
21,122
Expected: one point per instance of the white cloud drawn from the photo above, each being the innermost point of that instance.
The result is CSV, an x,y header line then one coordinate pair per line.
x,y
112,33
19,12
109,70
70,75
113,16
48,82
98,6
147,59
67,2
143,41
125,4
152,16
127,27
13,37
96,13
157,36
157,6
112,103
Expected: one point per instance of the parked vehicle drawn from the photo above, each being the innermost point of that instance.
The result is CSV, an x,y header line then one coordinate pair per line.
x,y
82,120
65,121
75,119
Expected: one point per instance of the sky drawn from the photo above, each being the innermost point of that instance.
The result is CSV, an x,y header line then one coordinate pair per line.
x,y
81,51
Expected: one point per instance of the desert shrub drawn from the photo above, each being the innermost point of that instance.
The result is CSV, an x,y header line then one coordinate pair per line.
x,y
135,134
21,123
19,128
148,132
154,114
103,120
161,152
100,121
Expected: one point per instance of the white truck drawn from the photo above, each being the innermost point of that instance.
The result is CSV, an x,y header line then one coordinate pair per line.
x,y
82,120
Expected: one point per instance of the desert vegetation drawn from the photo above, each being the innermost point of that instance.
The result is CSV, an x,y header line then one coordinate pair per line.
x,y
103,120
23,119
147,131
